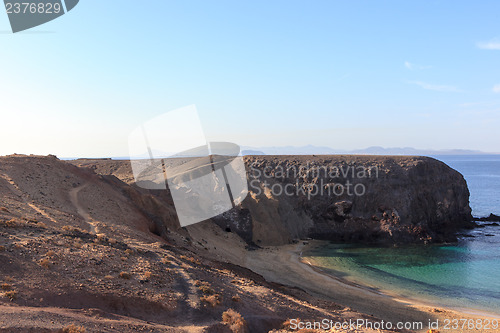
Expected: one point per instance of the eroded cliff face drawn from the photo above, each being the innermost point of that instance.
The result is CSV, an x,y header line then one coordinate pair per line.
x,y
396,199
372,199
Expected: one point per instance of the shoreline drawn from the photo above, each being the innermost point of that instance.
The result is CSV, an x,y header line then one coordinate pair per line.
x,y
284,265
405,299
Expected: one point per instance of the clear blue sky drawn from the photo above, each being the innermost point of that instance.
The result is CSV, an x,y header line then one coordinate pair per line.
x,y
347,75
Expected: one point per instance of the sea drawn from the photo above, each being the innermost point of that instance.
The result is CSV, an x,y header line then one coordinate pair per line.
x,y
463,275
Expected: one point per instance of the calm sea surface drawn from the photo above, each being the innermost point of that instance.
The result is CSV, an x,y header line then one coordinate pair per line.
x,y
461,275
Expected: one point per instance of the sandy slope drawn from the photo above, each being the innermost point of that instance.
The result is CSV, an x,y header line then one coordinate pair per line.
x,y
283,265
116,275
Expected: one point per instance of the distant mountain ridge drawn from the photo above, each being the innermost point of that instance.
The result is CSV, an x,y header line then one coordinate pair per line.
x,y
374,150
323,150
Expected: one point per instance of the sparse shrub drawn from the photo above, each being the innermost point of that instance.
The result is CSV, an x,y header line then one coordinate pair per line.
x,y
212,300
10,223
101,238
5,286
206,290
41,225
194,261
72,229
73,329
190,259
204,287
166,261
235,321
125,275
129,251
236,298
2,248
108,277
286,325
148,275
45,263
50,253
124,258
11,295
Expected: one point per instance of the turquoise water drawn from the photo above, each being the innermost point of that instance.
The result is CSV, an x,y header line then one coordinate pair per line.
x,y
482,173
461,275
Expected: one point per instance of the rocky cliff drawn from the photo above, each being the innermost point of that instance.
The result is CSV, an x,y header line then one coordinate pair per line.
x,y
375,199
392,199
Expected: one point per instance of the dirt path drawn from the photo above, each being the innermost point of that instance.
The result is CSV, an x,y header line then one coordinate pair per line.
x,y
191,302
188,286
192,298
73,196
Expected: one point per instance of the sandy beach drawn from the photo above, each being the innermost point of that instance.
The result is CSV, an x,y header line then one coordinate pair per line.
x,y
284,265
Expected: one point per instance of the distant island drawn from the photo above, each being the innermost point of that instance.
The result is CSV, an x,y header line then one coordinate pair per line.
x,y
374,150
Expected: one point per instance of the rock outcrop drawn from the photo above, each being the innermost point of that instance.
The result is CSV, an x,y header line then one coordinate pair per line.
x,y
490,218
375,199
348,198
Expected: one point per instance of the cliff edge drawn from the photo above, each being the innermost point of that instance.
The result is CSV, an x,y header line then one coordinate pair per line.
x,y
372,199
347,198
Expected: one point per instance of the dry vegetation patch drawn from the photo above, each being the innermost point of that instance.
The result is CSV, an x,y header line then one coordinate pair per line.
x,y
73,329
11,295
204,287
235,321
192,260
212,300
5,286
45,263
12,223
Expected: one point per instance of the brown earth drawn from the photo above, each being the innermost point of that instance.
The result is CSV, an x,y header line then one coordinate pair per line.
x,y
78,248
80,244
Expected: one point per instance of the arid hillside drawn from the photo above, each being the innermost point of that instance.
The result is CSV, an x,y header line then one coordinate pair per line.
x,y
82,249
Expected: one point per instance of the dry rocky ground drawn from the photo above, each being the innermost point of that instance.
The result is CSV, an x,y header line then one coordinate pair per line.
x,y
79,252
